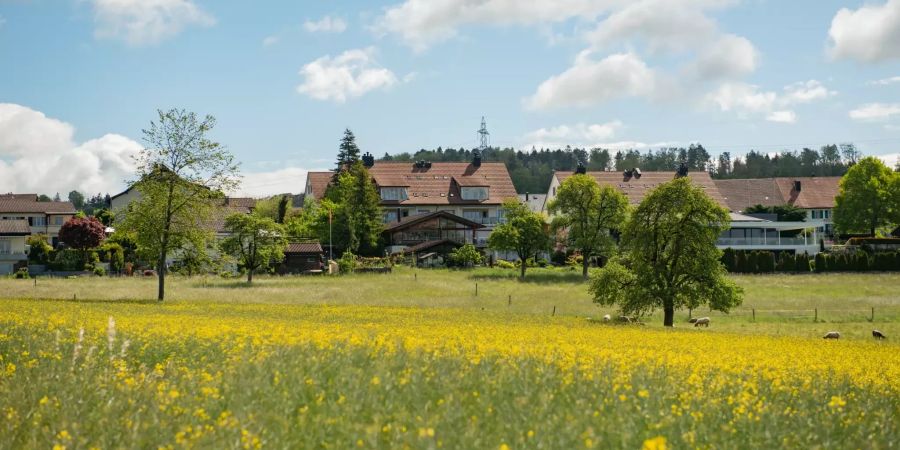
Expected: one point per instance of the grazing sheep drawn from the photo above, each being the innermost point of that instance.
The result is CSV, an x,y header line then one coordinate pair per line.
x,y
623,319
832,335
606,318
692,320
878,335
702,322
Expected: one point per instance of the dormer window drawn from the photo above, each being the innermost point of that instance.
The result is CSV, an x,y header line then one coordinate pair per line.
x,y
394,193
474,193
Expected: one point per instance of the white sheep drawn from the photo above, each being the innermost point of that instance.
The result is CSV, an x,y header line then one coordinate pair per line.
x,y
702,322
832,335
607,318
878,335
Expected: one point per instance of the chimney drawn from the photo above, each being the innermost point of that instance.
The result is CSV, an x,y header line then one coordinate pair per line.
x,y
368,160
476,158
797,186
581,169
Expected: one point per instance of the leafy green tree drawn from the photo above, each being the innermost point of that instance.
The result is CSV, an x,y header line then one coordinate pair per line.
x,y
355,211
670,258
256,242
105,216
525,232
466,256
44,198
589,214
77,199
182,174
305,225
38,248
869,198
283,206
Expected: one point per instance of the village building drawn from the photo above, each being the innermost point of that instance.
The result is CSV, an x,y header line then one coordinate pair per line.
x,y
12,245
41,217
303,257
473,191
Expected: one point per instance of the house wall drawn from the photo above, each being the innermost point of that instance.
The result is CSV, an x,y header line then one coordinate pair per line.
x,y
121,202
41,223
488,215
12,251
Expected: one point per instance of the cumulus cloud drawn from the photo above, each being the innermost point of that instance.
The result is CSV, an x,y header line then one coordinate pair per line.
x,y
326,24
868,34
422,23
748,100
348,75
885,81
727,57
663,25
145,22
590,81
874,112
39,155
580,134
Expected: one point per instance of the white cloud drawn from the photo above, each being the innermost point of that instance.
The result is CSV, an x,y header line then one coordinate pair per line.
x,y
782,117
579,132
144,22
872,112
589,82
728,56
747,100
281,181
664,25
422,23
270,41
885,81
39,155
891,159
868,34
326,24
348,75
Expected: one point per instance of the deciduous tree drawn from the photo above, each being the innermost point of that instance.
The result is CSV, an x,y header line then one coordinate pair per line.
x,y
82,234
256,242
182,174
670,259
869,198
525,232
589,214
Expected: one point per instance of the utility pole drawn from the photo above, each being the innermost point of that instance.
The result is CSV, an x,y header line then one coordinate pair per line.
x,y
483,136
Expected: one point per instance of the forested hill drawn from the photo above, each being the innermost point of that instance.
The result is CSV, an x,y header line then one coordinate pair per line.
x,y
531,170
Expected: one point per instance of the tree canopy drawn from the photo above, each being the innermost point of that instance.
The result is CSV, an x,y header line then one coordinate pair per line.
x,y
255,241
589,214
524,232
82,234
182,175
869,198
356,215
670,259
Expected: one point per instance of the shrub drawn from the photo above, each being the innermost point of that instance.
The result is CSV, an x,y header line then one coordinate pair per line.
x,y
575,259
821,262
114,254
765,262
99,271
543,262
558,258
347,262
22,274
728,259
67,260
504,264
466,256
39,250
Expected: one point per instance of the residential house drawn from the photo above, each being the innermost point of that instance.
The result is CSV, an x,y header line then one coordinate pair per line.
x,y
814,195
302,257
436,232
474,191
42,217
746,232
13,233
534,202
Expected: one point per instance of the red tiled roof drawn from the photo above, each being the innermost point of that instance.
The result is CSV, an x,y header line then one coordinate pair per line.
x,y
318,181
16,205
637,188
815,192
14,227
19,196
435,185
240,202
304,247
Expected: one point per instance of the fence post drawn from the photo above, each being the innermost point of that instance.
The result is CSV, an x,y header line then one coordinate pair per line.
x,y
476,289
872,317
509,301
415,276
554,311
816,317
754,314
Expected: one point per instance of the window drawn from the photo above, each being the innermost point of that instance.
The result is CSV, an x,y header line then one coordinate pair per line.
x,y
57,220
37,221
5,246
423,211
393,193
390,216
827,213
474,193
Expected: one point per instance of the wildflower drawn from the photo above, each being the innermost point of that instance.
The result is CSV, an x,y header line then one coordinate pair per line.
x,y
657,443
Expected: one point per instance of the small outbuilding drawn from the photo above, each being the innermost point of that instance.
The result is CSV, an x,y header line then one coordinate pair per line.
x,y
303,257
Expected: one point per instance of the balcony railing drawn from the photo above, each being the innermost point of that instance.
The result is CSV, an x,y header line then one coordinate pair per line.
x,y
486,220
785,241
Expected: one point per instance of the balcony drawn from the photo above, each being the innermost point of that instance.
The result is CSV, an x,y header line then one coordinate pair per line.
x,y
9,255
768,241
486,220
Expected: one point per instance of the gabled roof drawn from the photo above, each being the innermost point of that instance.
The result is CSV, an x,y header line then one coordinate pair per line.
x,y
240,202
419,218
429,244
637,188
14,228
437,184
10,204
815,192
304,247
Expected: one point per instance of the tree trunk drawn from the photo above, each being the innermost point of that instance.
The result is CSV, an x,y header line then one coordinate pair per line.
x,y
585,262
161,272
250,276
669,319
524,265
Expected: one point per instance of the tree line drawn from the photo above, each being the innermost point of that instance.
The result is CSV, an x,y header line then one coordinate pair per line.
x,y
531,170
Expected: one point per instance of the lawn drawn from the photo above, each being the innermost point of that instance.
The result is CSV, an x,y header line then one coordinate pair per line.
x,y
416,359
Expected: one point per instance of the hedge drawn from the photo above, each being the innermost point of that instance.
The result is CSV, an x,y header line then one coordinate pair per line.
x,y
742,261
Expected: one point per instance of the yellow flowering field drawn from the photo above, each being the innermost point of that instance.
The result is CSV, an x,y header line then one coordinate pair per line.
x,y
225,375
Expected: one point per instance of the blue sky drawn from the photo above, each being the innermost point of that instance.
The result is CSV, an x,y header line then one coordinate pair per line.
x,y
81,78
